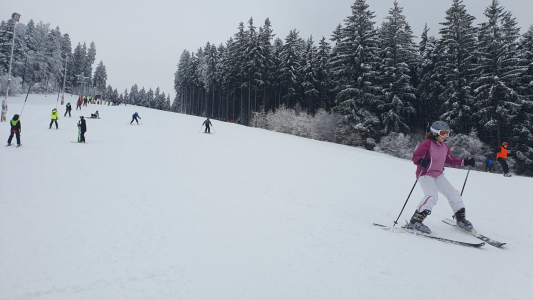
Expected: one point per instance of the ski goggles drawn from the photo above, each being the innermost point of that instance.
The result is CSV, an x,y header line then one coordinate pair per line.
x,y
444,133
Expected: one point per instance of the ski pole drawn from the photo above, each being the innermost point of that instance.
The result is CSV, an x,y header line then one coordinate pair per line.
x,y
396,222
465,180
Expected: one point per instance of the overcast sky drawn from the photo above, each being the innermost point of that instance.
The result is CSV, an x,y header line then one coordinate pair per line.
x,y
141,41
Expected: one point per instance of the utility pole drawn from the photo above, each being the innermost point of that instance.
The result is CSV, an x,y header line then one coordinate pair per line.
x,y
64,80
16,18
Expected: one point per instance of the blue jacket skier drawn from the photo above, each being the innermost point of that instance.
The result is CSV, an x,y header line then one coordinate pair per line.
x,y
134,118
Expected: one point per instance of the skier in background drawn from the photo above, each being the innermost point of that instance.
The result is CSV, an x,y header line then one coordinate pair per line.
x,y
501,156
207,124
96,115
15,130
55,117
83,128
134,118
432,154
78,104
69,108
488,164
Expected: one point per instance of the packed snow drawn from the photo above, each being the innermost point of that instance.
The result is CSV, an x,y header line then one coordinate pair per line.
x,y
161,210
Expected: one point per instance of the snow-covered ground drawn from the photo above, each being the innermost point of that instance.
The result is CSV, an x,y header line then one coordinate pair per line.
x,y
163,211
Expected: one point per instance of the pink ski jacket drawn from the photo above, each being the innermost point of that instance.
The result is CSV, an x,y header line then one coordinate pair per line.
x,y
439,154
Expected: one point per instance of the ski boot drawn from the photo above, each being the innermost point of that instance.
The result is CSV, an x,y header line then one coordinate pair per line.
x,y
416,222
461,221
506,175
8,145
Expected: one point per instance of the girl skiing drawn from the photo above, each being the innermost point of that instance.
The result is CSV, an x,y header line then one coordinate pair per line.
x,y
430,157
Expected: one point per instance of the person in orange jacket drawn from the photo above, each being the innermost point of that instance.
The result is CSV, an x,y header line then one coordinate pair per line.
x,y
501,156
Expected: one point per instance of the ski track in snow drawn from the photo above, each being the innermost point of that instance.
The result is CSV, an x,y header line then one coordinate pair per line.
x,y
163,211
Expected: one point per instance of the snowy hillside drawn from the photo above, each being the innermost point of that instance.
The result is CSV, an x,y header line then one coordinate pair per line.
x,y
163,211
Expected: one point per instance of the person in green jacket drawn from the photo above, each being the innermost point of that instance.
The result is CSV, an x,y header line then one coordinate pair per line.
x,y
55,117
207,124
15,130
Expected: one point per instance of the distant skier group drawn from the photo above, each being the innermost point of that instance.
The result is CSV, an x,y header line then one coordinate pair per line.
x,y
82,125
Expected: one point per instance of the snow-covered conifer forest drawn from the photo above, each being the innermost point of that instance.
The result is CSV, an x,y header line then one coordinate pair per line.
x,y
368,82
42,56
373,80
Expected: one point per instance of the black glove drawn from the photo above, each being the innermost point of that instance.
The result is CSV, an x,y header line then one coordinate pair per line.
x,y
470,162
424,162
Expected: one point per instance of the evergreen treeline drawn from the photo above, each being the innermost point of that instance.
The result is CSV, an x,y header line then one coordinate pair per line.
x,y
151,99
40,56
476,76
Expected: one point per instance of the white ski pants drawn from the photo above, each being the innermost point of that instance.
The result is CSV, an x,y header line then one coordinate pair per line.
x,y
432,186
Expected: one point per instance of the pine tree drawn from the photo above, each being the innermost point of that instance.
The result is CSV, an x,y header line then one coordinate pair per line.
x,y
6,42
497,99
89,60
134,95
291,64
323,73
354,68
398,54
310,82
458,67
100,77
429,105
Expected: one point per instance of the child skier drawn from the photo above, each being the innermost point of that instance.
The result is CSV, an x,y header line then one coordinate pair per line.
x,y
430,157
501,156
82,128
207,123
488,163
134,118
69,108
15,130
55,117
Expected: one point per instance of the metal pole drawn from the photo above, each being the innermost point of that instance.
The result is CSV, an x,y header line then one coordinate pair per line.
x,y
15,17
65,78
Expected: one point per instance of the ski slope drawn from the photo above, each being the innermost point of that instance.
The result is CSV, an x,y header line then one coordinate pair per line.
x,y
164,211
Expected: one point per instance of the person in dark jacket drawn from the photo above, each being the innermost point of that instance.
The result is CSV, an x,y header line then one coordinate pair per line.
x,y
82,128
134,118
501,156
15,130
207,124
69,108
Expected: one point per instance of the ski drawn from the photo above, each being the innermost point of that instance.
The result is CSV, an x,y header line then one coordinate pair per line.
x,y
474,233
431,236
78,142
